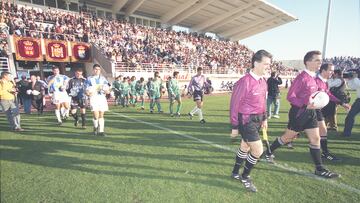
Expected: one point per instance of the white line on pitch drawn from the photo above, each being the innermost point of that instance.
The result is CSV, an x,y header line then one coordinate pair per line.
x,y
284,167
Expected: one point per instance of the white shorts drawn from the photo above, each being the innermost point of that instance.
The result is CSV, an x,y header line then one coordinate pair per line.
x,y
60,97
99,103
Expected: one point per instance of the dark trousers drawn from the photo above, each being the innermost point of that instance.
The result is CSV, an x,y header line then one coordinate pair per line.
x,y
329,112
350,118
38,104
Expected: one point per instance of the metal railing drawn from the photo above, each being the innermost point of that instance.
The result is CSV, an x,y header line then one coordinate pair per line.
x,y
4,64
152,67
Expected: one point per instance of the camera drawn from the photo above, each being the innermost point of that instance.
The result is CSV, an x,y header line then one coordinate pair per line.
x,y
350,73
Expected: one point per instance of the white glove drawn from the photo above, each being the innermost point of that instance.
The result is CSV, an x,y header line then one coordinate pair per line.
x,y
35,92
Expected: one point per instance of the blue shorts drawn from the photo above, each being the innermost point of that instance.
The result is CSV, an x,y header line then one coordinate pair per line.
x,y
198,95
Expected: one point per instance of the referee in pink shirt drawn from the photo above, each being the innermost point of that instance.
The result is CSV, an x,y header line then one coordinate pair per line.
x,y
248,115
302,114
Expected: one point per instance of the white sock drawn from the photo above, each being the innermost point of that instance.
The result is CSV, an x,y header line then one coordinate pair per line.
x,y
200,114
96,123
101,124
67,112
196,109
62,110
58,116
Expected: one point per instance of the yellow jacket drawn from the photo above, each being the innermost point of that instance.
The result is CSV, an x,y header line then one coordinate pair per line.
x,y
5,88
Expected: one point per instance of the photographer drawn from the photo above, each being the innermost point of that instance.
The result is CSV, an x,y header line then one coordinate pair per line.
x,y
337,87
8,101
273,95
353,83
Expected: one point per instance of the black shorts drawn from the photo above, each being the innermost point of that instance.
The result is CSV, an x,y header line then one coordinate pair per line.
x,y
319,115
301,119
250,130
78,103
198,95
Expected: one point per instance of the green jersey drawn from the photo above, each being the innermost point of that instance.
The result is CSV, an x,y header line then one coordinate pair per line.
x,y
157,85
116,86
132,87
173,88
124,88
140,88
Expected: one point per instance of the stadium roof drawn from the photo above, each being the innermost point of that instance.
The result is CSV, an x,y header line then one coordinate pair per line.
x,y
231,19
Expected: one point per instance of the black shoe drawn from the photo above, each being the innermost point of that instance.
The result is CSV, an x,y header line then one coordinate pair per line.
x,y
235,176
101,134
326,174
190,116
151,111
248,184
177,114
160,111
270,158
330,157
59,123
202,121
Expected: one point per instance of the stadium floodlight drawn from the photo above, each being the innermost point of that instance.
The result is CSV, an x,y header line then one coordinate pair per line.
x,y
326,30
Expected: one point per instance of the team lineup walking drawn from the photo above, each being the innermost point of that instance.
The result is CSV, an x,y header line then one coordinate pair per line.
x,y
250,104
179,101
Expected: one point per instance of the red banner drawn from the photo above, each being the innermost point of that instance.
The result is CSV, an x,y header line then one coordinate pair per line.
x,y
56,51
28,49
81,52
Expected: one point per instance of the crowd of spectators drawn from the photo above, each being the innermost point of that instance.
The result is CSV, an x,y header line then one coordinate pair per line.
x,y
345,63
130,44
4,48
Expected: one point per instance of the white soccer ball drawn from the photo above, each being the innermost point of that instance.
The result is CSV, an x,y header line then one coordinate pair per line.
x,y
320,99
28,92
105,88
91,89
35,92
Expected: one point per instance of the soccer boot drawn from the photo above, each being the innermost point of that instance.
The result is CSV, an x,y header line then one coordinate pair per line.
x,y
248,184
270,158
235,176
330,157
326,174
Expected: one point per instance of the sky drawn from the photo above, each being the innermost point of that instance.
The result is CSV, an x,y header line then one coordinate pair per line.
x,y
292,40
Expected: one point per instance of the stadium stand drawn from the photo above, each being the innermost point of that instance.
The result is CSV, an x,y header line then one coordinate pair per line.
x,y
132,46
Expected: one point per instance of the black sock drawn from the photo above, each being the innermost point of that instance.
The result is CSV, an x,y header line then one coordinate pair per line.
x,y
239,159
323,144
276,144
75,116
316,156
83,119
249,164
